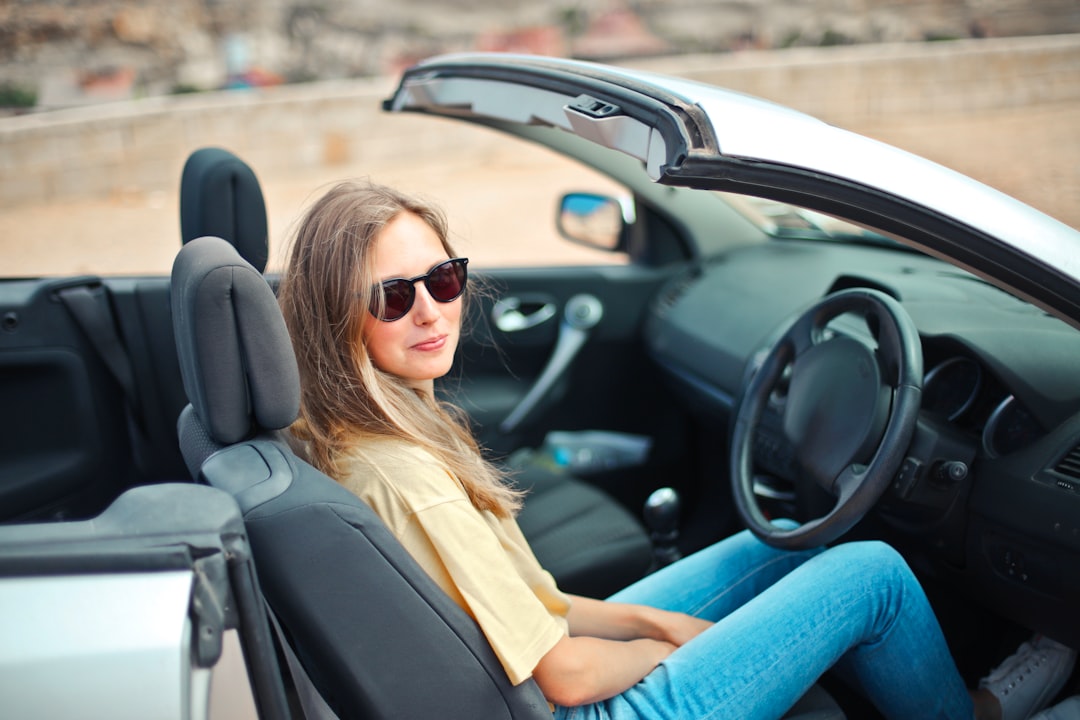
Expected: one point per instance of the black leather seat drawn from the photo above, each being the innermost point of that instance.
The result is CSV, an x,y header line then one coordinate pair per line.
x,y
580,534
377,636
220,196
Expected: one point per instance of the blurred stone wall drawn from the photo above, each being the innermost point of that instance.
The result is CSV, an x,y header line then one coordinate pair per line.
x,y
72,51
850,86
136,147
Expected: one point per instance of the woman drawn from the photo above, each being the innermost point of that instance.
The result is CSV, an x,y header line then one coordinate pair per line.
x,y
373,298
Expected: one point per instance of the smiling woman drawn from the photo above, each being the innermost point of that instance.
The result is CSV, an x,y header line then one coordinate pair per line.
x,y
421,347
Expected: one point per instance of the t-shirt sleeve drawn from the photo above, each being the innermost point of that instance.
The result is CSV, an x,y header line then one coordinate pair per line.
x,y
518,626
468,552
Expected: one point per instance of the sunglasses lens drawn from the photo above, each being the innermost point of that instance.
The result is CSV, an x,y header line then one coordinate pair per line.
x,y
399,298
447,281
444,283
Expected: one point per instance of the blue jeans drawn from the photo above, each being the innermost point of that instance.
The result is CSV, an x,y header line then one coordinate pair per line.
x,y
782,619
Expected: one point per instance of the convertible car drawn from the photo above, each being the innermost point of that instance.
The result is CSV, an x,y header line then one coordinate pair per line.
x,y
796,321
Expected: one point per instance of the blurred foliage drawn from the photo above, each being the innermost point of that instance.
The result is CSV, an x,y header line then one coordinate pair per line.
x,y
17,96
940,37
574,20
832,38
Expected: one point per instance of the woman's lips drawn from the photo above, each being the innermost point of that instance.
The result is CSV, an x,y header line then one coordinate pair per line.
x,y
435,343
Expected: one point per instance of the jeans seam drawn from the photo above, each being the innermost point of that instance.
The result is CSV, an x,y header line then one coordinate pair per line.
x,y
700,610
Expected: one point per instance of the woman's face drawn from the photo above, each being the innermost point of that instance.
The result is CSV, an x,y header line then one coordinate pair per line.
x,y
420,346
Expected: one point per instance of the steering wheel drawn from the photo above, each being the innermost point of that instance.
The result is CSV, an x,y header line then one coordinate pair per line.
x,y
849,412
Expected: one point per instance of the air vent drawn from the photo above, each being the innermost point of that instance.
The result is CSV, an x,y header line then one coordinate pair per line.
x,y
1069,466
671,295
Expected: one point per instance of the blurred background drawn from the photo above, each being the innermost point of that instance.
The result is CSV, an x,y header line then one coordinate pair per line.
x,y
101,100
69,52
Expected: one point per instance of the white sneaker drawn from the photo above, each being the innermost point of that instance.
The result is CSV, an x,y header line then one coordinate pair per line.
x,y
1067,709
1030,678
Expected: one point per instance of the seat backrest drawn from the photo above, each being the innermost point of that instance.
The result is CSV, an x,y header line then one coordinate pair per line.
x,y
375,633
220,196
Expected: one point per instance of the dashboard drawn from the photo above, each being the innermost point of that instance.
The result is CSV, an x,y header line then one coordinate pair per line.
x,y
960,391
997,444
994,366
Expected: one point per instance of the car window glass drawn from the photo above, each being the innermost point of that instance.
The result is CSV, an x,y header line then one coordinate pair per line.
x,y
784,220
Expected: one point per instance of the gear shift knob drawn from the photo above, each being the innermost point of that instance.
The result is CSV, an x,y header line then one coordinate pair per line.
x,y
662,520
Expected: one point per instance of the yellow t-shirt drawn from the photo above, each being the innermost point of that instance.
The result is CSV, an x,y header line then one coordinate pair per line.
x,y
483,562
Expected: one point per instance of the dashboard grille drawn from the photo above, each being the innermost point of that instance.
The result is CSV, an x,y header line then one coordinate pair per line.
x,y
1069,465
670,295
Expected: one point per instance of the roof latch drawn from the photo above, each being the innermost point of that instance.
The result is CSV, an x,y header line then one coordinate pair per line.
x,y
594,108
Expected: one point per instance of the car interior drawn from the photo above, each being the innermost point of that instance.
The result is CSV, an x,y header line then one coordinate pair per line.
x,y
148,417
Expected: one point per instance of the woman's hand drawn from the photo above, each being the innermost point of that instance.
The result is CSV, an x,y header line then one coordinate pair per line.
x,y
620,621
676,628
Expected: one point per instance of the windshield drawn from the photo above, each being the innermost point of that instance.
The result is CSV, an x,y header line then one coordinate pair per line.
x,y
781,220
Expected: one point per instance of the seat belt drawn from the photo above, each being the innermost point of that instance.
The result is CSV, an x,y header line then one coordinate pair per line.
x,y
93,315
312,702
95,319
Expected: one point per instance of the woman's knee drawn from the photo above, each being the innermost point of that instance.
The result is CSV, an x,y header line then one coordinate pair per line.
x,y
873,558
785,523
877,552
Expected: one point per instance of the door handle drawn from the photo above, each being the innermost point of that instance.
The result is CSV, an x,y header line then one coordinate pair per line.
x,y
581,314
508,316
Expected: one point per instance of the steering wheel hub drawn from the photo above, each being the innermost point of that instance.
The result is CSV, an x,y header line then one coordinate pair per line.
x,y
836,408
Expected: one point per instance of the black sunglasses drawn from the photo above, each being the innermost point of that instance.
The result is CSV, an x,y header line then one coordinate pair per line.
x,y
445,282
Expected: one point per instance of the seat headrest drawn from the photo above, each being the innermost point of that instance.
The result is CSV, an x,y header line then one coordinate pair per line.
x,y
235,355
220,196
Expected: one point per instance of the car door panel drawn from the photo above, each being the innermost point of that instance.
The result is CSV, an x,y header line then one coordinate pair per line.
x,y
609,384
499,366
72,436
64,445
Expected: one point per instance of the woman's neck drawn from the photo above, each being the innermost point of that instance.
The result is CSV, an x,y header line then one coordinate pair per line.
x,y
426,388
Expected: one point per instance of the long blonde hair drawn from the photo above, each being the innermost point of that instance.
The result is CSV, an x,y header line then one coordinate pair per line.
x,y
325,292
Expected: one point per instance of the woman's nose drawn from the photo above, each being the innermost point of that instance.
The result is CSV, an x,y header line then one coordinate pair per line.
x,y
425,309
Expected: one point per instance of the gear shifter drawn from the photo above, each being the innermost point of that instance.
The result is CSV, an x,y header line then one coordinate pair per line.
x,y
662,520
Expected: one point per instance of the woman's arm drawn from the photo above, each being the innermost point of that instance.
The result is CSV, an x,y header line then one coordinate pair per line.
x,y
580,670
610,648
621,621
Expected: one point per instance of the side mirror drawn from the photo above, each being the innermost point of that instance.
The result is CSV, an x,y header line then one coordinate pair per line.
x,y
597,221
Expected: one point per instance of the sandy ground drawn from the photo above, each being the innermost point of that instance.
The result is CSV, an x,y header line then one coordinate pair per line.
x,y
1033,154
